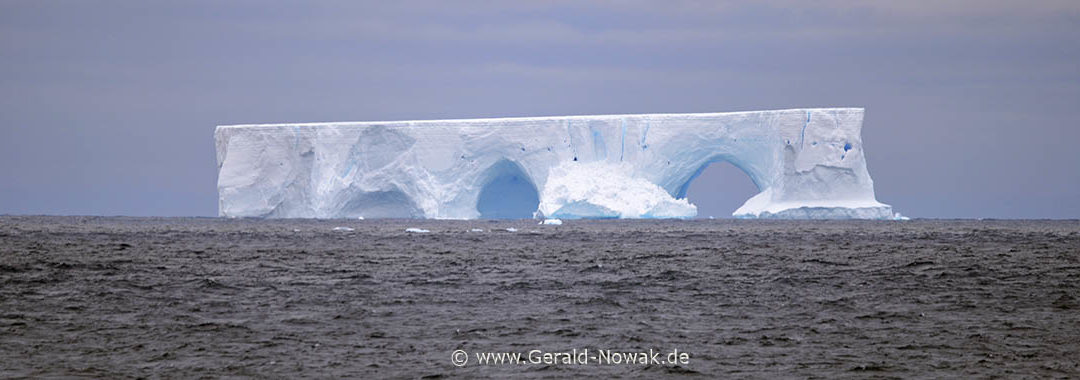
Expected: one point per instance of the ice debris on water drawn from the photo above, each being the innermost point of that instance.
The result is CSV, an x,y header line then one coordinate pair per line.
x,y
417,230
607,190
552,222
346,229
511,229
477,230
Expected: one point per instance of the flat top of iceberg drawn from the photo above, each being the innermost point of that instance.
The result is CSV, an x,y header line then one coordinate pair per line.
x,y
496,120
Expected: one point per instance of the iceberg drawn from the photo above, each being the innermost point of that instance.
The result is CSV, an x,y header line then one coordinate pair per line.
x,y
806,163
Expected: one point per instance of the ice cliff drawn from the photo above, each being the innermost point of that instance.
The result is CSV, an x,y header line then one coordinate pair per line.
x,y
807,163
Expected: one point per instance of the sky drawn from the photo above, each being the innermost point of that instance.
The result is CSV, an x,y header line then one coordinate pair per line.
x,y
109,107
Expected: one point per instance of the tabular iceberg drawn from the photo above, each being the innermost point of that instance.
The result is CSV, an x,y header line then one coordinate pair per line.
x,y
807,163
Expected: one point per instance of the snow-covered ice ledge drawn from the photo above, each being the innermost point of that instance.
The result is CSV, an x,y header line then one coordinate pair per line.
x,y
807,163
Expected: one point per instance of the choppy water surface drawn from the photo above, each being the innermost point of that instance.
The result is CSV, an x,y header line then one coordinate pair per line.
x,y
123,297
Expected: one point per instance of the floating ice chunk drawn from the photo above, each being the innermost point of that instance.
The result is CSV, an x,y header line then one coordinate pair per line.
x,y
511,229
553,222
477,230
360,218
417,230
346,229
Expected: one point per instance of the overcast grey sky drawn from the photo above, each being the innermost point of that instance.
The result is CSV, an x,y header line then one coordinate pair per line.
x,y
108,107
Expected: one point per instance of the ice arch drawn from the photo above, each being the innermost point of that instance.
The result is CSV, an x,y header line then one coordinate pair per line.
x,y
718,188
507,193
681,190
380,204
807,163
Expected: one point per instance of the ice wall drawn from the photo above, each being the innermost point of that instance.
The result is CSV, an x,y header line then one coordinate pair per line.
x,y
808,163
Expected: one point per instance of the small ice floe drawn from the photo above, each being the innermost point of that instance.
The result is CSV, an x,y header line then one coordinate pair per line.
x,y
897,216
511,229
417,230
360,218
553,222
346,229
477,230
711,217
296,230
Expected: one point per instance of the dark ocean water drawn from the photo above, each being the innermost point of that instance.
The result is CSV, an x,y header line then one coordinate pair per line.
x,y
202,297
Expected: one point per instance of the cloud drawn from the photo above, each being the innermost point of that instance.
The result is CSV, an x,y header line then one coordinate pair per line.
x,y
958,89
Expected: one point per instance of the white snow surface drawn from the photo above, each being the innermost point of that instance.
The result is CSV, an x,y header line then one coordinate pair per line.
x,y
807,163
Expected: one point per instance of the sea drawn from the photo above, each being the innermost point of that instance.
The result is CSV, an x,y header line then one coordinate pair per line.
x,y
121,297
